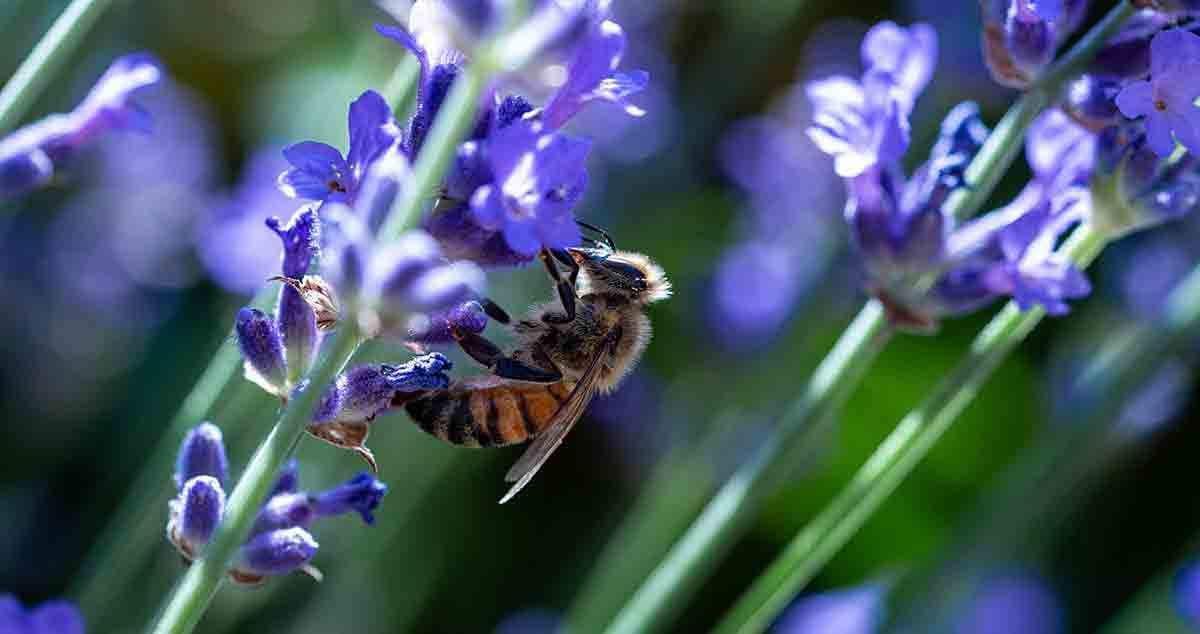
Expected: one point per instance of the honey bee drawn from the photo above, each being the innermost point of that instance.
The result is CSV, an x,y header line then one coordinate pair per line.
x,y
570,349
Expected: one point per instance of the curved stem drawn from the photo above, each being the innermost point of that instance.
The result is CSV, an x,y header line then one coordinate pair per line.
x,y
895,458
43,61
191,597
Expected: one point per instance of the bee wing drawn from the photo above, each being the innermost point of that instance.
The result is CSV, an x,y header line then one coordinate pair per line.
x,y
564,419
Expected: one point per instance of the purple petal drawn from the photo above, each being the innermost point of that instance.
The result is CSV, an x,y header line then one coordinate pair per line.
x,y
318,171
521,235
487,207
372,132
1158,135
1136,99
362,495
1171,50
595,59
1187,127
908,55
446,286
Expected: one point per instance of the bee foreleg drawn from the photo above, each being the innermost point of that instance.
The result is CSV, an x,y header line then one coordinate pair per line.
x,y
566,289
490,356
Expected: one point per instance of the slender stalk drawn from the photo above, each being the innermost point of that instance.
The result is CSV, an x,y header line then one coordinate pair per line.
x,y
402,85
191,597
895,458
46,58
697,552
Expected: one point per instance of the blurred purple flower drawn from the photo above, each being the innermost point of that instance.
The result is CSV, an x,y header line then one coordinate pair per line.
x,y
863,123
319,172
51,617
856,610
237,253
1013,603
756,286
29,156
1186,592
1157,401
1167,100
1150,271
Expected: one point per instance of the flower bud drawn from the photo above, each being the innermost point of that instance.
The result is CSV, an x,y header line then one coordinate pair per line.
x,y
1091,101
262,351
361,495
295,320
201,504
202,453
277,552
437,327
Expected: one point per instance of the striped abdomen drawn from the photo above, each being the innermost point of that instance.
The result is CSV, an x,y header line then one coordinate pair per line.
x,y
504,414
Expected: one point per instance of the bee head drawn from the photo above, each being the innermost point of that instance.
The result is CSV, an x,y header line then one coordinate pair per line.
x,y
633,275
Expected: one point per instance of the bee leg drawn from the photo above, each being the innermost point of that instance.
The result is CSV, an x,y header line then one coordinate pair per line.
x,y
490,356
493,310
566,290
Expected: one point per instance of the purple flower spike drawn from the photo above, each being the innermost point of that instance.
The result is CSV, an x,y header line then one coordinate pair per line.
x,y
51,617
539,179
437,327
201,505
286,510
29,156
1168,99
361,495
202,453
294,318
319,172
262,350
278,552
852,611
591,76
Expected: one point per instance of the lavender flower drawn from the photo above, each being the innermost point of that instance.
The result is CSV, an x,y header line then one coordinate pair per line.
x,y
320,172
295,320
539,179
51,617
513,187
202,454
279,541
230,242
438,327
858,610
1167,100
357,396
900,226
261,344
30,156
1186,592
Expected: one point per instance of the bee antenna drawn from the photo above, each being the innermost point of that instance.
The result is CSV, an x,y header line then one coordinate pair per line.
x,y
603,234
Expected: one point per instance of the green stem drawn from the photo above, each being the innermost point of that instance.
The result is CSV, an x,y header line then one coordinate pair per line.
x,y
454,119
712,534
895,458
191,597
402,85
44,60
